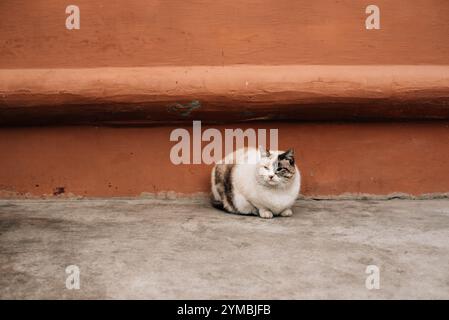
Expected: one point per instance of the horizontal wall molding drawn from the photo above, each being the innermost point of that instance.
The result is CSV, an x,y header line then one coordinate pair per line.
x,y
229,93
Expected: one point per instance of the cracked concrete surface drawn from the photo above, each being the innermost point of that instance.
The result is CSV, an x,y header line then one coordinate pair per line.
x,y
153,249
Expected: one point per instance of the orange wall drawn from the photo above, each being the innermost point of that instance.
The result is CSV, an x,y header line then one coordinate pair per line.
x,y
376,158
45,81
232,93
204,32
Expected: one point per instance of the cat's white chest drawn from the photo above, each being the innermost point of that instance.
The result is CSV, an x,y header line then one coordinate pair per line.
x,y
251,193
275,200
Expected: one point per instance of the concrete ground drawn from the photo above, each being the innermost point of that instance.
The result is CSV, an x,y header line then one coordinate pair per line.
x,y
153,249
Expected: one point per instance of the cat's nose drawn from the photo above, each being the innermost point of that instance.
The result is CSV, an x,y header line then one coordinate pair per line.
x,y
271,177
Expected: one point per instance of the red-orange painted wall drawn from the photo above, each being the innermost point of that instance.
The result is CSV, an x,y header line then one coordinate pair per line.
x,y
131,33
47,77
375,158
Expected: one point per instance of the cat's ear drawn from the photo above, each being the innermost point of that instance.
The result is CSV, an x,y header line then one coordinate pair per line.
x,y
288,155
263,152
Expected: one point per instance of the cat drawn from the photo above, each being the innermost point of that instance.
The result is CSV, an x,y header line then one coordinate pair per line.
x,y
256,181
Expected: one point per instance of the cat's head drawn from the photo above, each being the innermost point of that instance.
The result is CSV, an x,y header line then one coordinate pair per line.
x,y
276,168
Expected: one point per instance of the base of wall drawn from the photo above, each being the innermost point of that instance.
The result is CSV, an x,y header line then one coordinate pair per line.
x,y
335,159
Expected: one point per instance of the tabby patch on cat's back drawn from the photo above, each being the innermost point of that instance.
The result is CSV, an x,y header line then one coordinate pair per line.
x,y
254,181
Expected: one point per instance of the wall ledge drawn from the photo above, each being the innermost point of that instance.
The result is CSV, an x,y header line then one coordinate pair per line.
x,y
150,95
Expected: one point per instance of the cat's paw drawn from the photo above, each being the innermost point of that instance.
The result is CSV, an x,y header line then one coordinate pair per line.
x,y
266,214
287,213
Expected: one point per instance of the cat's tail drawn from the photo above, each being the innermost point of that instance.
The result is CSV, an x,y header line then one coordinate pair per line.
x,y
216,203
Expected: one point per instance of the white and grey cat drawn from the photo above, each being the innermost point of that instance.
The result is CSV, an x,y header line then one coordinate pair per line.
x,y
267,186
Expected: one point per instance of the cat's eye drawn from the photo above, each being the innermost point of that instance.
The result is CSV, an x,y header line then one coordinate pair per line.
x,y
266,168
